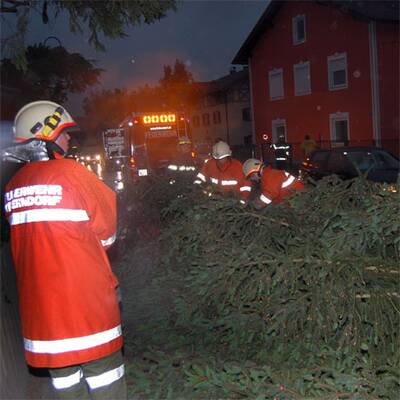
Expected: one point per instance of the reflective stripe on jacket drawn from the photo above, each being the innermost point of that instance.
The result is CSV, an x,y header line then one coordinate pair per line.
x,y
277,185
228,177
282,151
62,219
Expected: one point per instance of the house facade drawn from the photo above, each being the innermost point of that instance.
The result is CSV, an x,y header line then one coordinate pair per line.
x,y
329,69
223,110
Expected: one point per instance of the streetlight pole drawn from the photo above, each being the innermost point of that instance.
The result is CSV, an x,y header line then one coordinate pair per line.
x,y
226,116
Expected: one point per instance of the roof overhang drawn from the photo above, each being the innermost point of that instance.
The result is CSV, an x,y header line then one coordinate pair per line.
x,y
261,26
375,10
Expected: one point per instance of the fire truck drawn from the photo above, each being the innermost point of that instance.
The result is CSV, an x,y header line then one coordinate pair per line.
x,y
159,141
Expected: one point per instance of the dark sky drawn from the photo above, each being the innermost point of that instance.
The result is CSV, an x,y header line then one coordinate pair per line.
x,y
204,34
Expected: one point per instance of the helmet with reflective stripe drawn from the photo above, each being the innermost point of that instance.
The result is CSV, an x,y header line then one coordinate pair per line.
x,y
221,150
41,120
251,165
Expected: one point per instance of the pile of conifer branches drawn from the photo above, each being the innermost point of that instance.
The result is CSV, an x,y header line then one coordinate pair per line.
x,y
320,271
300,299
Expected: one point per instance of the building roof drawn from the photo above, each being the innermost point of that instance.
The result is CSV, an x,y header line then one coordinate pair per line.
x,y
375,10
226,82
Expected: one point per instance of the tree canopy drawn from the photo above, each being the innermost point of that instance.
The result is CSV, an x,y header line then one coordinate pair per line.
x,y
51,73
108,108
177,87
108,18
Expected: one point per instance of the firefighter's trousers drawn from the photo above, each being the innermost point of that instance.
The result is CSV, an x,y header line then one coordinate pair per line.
x,y
102,379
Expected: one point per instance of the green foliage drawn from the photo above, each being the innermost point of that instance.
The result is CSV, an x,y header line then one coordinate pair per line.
x,y
107,108
298,301
177,88
110,107
140,204
328,266
111,18
51,74
99,17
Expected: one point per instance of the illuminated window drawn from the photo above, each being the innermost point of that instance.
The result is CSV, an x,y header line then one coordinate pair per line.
x,y
206,119
276,84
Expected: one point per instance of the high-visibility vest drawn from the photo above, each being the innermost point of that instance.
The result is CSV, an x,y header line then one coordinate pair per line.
x,y
277,185
282,151
62,218
227,178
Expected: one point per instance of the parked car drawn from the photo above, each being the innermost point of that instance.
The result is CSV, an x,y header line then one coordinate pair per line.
x,y
377,164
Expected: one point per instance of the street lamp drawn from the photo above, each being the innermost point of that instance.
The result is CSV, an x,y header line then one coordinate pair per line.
x,y
54,38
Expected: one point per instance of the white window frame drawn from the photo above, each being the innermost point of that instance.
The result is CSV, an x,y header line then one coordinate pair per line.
x,y
297,67
276,71
331,83
295,19
276,123
339,116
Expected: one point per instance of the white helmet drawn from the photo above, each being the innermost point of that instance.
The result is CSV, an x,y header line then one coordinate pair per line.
x,y
250,166
41,120
35,125
221,150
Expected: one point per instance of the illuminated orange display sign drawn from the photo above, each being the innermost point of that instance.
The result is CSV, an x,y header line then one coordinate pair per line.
x,y
159,119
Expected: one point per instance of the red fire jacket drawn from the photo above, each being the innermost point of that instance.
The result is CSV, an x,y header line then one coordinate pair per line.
x,y
277,185
228,178
62,219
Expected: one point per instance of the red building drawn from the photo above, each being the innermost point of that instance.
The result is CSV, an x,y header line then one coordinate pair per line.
x,y
329,69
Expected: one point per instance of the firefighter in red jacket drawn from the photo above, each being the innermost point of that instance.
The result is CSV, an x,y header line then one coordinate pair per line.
x,y
223,173
275,185
62,219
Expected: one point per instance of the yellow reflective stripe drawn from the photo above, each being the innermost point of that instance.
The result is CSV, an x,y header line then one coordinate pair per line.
x,y
48,214
109,241
72,344
106,378
173,167
197,182
265,199
65,382
245,189
288,182
214,180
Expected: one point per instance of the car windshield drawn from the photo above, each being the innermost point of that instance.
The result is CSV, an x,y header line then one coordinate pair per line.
x,y
367,160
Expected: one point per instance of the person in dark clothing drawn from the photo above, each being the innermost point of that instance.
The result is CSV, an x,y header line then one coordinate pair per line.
x,y
283,153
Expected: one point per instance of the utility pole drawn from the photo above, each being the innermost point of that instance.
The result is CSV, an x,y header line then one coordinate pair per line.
x,y
226,116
